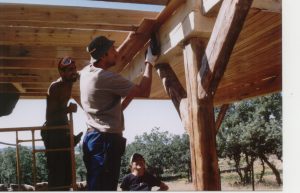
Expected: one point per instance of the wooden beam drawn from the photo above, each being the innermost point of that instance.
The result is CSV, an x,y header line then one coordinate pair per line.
x,y
70,26
221,116
136,41
185,23
201,123
25,79
15,35
72,15
203,77
19,87
171,84
41,63
44,52
152,2
211,7
227,28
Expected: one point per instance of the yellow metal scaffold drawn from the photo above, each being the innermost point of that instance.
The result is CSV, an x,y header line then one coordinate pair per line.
x,y
34,151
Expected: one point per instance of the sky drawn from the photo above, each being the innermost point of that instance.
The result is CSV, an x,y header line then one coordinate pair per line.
x,y
140,116
88,3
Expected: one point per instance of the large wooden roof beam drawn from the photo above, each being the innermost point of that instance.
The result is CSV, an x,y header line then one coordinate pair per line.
x,y
211,7
136,41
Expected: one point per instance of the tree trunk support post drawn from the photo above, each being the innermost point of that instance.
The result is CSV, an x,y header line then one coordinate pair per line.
x,y
204,69
201,122
221,116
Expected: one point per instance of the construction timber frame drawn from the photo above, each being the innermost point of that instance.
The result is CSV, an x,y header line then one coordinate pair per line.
x,y
213,53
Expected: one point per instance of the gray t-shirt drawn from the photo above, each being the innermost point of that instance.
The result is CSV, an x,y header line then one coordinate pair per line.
x,y
100,93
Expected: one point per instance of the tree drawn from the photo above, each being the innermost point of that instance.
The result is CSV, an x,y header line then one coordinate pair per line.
x,y
252,129
165,154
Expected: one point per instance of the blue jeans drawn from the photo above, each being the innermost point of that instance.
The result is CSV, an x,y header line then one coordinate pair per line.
x,y
102,154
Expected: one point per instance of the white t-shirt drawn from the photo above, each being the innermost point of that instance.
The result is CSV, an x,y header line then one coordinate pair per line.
x,y
100,93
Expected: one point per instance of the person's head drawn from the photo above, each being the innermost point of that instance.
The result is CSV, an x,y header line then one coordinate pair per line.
x,y
102,51
67,69
137,164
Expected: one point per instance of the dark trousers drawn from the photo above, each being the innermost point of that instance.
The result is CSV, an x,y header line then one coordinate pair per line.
x,y
102,154
58,163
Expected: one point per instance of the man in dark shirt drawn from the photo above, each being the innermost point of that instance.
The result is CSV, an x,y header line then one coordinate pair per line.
x,y
139,179
58,96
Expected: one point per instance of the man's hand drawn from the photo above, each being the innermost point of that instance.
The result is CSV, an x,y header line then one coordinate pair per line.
x,y
150,58
72,108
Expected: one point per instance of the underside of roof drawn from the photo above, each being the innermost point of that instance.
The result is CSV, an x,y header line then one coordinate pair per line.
x,y
34,37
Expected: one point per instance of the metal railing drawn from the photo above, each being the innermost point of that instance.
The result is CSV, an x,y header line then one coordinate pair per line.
x,y
34,150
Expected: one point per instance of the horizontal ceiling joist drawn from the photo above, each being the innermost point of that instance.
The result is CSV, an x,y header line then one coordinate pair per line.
x,y
54,37
153,2
71,15
45,52
36,63
69,26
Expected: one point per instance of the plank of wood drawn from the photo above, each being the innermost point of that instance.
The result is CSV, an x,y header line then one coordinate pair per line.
x,y
71,26
228,25
171,84
73,15
221,116
136,41
19,87
211,7
54,37
36,64
247,91
152,2
45,52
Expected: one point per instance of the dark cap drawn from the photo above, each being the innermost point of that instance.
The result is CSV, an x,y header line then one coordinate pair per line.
x,y
65,62
98,47
135,156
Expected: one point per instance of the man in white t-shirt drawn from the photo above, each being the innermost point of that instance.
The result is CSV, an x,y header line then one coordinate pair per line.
x,y
104,96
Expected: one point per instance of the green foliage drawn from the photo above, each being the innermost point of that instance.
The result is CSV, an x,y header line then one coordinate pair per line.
x,y
8,165
164,153
252,129
80,167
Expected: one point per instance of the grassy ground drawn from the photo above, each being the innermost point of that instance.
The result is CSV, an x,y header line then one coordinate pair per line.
x,y
229,181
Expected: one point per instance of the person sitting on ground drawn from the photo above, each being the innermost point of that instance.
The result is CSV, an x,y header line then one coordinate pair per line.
x,y
139,179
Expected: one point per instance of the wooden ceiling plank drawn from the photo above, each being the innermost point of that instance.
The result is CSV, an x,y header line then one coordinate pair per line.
x,y
36,63
211,7
152,2
73,15
70,26
259,88
45,52
57,37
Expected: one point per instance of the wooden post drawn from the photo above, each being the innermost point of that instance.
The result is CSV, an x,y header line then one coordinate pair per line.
x,y
221,116
73,166
33,158
171,84
201,123
175,91
204,71
18,161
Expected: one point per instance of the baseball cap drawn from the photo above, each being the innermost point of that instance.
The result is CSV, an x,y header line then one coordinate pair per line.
x,y
65,62
98,47
135,156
